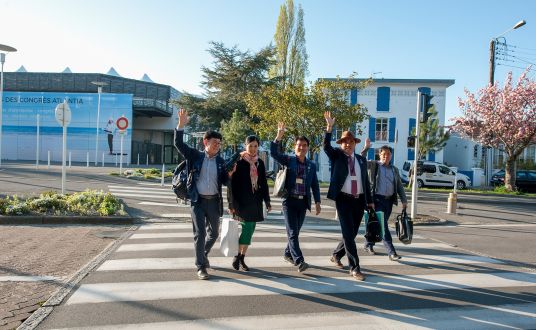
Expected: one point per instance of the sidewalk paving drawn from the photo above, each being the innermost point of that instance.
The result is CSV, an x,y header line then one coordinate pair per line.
x,y
54,251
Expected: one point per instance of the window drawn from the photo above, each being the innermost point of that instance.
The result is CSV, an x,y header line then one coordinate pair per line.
x,y
381,129
429,168
445,170
475,151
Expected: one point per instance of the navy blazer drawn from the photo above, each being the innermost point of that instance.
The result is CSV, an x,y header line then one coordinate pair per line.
x,y
339,170
311,180
195,160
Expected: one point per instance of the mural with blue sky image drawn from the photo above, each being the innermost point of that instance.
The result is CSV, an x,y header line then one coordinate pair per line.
x,y
20,111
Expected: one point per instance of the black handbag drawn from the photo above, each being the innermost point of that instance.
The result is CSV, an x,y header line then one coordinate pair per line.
x,y
404,227
373,231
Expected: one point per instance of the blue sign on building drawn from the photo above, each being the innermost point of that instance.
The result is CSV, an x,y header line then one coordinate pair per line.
x,y
20,110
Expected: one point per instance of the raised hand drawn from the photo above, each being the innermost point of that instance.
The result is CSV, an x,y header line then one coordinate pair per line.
x,y
183,118
280,131
367,143
330,121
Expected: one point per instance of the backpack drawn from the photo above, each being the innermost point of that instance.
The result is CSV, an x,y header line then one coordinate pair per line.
x,y
180,180
373,231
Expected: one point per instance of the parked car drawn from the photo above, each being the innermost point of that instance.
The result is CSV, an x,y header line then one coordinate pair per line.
x,y
432,174
525,180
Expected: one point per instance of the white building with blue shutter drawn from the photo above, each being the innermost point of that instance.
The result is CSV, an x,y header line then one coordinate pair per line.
x,y
392,106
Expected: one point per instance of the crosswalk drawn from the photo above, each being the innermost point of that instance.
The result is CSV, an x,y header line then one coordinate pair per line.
x,y
162,203
150,282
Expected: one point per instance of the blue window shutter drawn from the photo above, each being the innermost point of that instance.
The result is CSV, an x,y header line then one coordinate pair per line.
x,y
425,90
411,125
372,129
431,156
392,127
370,154
411,154
353,96
383,95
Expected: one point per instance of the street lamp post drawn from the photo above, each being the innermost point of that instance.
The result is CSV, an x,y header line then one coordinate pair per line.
x,y
3,50
492,45
99,85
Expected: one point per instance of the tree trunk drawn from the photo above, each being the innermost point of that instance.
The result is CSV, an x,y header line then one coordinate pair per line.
x,y
510,174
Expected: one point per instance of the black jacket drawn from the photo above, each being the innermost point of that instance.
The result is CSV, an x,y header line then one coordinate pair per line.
x,y
246,203
339,170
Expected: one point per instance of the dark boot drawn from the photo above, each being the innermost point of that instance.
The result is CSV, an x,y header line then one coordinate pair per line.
x,y
243,265
236,261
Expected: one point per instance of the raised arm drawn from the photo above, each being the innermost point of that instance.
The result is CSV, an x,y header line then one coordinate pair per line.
x,y
186,151
328,149
275,146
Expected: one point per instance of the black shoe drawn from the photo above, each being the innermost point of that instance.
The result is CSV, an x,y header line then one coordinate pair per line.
x,y
302,266
236,262
336,261
202,274
394,257
288,259
243,265
369,249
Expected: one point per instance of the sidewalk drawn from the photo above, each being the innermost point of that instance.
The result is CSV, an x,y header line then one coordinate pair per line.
x,y
54,253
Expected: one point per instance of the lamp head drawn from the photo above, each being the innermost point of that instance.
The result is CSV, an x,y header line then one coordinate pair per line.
x,y
6,48
520,24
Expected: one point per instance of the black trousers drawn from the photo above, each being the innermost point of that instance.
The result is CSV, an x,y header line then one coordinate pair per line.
x,y
350,212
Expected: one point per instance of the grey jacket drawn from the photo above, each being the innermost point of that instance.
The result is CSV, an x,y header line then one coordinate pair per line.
x,y
374,174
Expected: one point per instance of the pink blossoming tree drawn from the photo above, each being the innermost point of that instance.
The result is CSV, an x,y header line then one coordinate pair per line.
x,y
502,118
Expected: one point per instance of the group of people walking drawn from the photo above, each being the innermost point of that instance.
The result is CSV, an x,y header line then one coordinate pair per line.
x,y
356,185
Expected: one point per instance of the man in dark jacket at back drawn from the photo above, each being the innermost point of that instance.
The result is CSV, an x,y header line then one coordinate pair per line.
x,y
205,192
350,189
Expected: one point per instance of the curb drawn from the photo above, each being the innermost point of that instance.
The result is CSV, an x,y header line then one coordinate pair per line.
x,y
55,300
62,219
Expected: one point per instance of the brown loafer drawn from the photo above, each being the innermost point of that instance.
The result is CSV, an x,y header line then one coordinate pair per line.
x,y
337,262
358,275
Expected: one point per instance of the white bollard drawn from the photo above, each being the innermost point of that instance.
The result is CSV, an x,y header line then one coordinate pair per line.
x,y
163,170
69,159
147,163
87,159
116,159
48,161
103,159
452,203
138,159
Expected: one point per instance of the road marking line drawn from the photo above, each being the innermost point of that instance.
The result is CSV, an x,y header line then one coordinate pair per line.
x,y
515,316
156,290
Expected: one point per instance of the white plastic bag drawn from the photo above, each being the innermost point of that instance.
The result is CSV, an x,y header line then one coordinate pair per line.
x,y
229,237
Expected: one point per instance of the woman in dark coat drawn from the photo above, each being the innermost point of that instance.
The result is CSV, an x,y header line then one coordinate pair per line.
x,y
248,190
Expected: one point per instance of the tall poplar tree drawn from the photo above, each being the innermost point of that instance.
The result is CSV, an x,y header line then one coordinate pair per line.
x,y
291,65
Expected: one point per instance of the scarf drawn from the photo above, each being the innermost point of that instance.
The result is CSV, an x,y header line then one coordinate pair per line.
x,y
253,174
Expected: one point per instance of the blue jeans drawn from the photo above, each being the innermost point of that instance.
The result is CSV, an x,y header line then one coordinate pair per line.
x,y
206,226
294,211
386,206
350,211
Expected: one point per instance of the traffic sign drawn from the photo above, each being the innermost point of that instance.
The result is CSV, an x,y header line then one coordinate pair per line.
x,y
122,123
63,114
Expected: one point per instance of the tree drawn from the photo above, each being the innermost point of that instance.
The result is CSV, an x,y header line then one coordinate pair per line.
x,y
234,73
291,65
235,130
302,108
432,137
501,118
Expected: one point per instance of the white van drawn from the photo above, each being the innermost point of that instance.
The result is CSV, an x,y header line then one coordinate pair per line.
x,y
432,174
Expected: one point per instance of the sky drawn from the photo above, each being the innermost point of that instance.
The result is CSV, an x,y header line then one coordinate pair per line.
x,y
168,39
